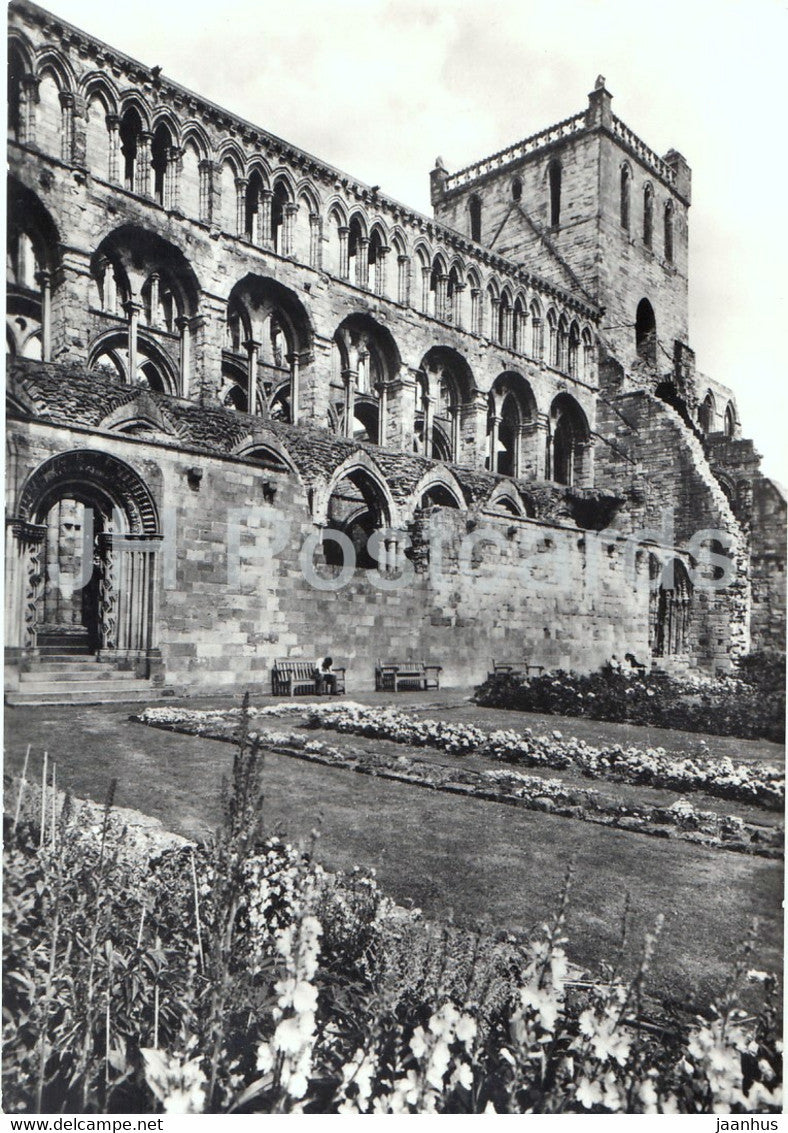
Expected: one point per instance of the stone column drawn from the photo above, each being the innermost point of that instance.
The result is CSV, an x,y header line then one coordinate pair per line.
x,y
456,311
142,170
206,171
362,262
113,130
154,300
584,463
295,392
428,404
184,326
66,125
132,309
495,424
440,297
382,392
172,179
315,240
533,448
291,211
426,275
476,311
494,322
253,350
380,270
44,281
266,236
349,377
473,442
71,286
344,268
207,334
28,98
403,279
400,407
240,205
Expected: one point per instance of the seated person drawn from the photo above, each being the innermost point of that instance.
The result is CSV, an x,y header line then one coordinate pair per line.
x,y
325,679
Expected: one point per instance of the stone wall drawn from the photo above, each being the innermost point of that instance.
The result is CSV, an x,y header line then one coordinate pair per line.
x,y
546,591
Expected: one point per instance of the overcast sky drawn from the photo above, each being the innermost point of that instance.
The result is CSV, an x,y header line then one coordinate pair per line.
x,y
381,87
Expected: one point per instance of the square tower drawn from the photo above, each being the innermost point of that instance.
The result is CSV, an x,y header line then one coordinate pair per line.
x,y
588,205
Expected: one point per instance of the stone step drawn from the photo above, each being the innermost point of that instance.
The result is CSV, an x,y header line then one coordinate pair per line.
x,y
66,650
132,692
82,684
70,664
76,673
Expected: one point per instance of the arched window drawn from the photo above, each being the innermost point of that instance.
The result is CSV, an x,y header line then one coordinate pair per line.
x,y
588,356
17,106
253,197
574,350
355,248
130,130
375,263
730,421
552,345
279,202
706,413
518,325
669,232
570,442
562,346
554,176
626,182
161,151
517,189
646,331
537,332
512,407
475,213
648,215
453,312
504,317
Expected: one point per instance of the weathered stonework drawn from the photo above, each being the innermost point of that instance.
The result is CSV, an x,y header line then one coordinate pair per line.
x,y
260,352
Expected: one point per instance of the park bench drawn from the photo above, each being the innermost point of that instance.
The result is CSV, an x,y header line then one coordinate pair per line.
x,y
289,677
515,669
394,675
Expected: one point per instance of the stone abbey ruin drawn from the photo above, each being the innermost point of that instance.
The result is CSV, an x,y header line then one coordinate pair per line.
x,y
259,410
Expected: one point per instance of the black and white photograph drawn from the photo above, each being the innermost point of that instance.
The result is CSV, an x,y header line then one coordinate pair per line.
x,y
395,560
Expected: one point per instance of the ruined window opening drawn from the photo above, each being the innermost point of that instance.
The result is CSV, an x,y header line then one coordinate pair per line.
x,y
475,211
517,189
648,216
554,173
160,162
646,332
706,413
278,203
16,74
626,181
130,130
730,421
669,232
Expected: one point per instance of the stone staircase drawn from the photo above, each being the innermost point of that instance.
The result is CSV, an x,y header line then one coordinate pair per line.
x,y
66,672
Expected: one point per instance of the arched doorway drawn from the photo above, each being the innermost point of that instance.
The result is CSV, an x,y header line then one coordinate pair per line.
x,y
82,558
670,607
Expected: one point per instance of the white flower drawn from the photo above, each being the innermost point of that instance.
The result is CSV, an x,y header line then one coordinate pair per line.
x,y
588,1093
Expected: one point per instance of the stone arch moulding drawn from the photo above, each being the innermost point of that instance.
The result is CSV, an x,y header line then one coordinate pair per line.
x,y
357,462
90,472
119,616
435,478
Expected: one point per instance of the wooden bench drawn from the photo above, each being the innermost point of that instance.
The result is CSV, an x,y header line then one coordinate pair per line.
x,y
289,677
515,669
394,675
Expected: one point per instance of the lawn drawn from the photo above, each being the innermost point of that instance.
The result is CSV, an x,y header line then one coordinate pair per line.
x,y
480,859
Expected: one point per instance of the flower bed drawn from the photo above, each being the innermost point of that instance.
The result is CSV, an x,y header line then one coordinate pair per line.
x,y
239,977
750,705
507,786
722,778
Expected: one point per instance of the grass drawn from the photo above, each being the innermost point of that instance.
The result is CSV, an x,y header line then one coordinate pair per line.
x,y
479,859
